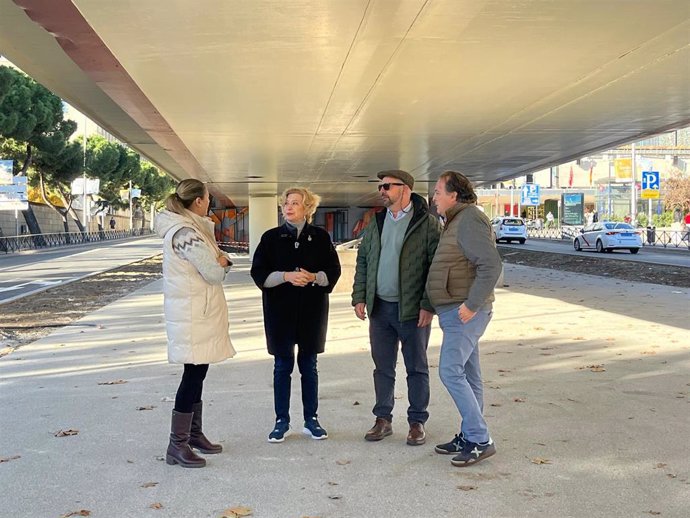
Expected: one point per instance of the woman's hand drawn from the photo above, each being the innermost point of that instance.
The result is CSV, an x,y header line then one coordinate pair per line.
x,y
223,261
300,278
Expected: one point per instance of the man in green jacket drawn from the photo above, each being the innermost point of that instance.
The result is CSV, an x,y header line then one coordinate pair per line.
x,y
392,265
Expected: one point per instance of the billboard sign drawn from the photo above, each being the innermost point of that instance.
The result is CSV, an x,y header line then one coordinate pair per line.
x,y
14,196
573,207
6,172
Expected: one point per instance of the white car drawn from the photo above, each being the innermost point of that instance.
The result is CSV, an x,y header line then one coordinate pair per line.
x,y
509,228
605,236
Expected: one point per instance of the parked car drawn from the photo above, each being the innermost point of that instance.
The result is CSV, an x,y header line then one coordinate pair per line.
x,y
509,228
606,236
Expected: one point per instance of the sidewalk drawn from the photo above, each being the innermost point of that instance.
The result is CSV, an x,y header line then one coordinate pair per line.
x,y
587,397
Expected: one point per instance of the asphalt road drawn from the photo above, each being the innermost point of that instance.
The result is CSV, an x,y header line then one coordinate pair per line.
x,y
26,273
650,255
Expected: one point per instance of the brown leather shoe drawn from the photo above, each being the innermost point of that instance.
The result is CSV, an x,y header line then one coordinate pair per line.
x,y
417,436
382,428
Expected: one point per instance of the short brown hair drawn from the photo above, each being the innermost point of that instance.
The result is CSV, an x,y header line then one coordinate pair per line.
x,y
460,185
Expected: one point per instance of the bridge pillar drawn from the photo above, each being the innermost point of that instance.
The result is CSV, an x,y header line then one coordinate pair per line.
x,y
263,215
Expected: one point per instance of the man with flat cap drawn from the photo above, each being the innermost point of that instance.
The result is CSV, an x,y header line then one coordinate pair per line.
x,y
393,261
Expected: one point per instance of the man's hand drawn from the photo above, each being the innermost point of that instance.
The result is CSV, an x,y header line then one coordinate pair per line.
x,y
425,318
361,310
465,314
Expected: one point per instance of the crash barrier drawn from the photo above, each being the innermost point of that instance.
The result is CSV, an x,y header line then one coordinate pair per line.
x,y
22,242
234,247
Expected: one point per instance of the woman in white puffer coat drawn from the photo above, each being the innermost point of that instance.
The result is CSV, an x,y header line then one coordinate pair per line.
x,y
196,313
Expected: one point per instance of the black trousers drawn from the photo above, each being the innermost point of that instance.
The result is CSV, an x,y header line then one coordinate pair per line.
x,y
191,387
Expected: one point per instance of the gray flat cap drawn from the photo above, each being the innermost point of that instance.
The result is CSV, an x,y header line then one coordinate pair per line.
x,y
403,176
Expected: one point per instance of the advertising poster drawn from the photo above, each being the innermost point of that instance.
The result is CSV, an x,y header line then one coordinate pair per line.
x,y
573,208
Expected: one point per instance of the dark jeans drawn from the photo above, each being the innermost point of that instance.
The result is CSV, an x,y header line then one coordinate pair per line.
x,y
282,371
191,387
385,332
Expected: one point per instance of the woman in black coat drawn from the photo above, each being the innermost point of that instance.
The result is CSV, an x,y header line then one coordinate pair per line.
x,y
296,267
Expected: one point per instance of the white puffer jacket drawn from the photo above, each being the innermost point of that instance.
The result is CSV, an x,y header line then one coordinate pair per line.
x,y
196,312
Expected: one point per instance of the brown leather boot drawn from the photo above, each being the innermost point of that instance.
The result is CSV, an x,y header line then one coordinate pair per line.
x,y
179,451
197,439
417,435
382,428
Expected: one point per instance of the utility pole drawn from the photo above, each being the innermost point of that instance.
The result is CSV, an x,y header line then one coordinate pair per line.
x,y
633,189
83,208
131,221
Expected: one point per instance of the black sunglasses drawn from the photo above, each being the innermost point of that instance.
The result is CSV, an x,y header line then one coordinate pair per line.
x,y
387,186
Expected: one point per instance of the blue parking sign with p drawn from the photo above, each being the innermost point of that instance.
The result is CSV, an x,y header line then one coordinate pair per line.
x,y
650,185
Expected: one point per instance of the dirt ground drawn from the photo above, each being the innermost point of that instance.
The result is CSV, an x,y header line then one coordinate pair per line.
x,y
28,319
593,265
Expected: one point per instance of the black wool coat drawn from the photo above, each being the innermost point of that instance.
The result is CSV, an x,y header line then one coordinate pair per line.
x,y
292,314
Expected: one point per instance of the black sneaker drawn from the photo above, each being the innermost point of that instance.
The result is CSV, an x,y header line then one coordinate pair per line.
x,y
453,447
474,452
280,431
313,428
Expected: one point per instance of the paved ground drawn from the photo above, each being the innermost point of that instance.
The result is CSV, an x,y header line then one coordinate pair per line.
x,y
587,398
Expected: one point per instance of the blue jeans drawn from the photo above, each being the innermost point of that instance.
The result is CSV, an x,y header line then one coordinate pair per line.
x,y
282,380
385,332
460,371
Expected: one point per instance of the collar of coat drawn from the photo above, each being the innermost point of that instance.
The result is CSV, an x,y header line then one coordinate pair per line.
x,y
455,210
286,231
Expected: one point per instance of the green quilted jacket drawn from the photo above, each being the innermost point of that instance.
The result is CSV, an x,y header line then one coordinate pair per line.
x,y
419,245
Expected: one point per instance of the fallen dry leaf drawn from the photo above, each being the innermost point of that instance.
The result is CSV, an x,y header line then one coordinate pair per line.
x,y
149,484
334,497
66,433
157,505
467,488
593,368
519,400
355,403
147,407
82,512
342,462
495,404
539,460
7,459
236,512
114,382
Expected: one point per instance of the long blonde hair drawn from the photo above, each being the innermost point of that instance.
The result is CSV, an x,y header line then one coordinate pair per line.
x,y
187,191
309,200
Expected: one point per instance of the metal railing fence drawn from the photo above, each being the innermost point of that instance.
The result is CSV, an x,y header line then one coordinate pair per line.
x,y
10,244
